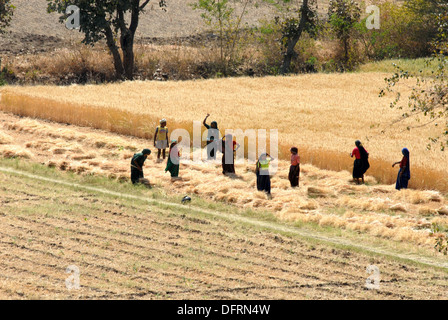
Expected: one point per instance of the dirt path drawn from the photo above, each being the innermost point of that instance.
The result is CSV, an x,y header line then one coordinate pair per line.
x,y
126,249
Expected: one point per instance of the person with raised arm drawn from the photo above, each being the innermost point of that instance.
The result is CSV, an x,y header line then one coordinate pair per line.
x,y
212,137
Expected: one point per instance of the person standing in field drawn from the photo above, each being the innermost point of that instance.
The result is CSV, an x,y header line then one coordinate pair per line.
x,y
263,176
294,169
161,139
361,163
212,137
228,148
137,163
173,162
404,174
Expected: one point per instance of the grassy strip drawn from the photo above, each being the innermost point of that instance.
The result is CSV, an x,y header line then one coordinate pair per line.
x,y
418,66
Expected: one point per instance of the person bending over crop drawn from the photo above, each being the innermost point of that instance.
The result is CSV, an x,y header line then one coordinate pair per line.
x,y
361,163
137,163
404,174
161,139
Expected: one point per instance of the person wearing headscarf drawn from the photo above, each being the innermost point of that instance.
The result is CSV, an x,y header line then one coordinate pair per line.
x,y
294,169
404,174
263,176
137,163
173,162
161,139
212,137
228,148
361,163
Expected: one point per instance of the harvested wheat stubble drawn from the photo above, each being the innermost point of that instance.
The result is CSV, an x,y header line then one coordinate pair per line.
x,y
324,197
9,151
5,138
78,157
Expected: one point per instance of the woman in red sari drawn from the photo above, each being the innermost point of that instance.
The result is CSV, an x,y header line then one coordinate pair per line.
x,y
361,163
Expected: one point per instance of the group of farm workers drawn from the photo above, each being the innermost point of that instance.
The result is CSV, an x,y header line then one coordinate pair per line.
x,y
361,165
227,146
160,143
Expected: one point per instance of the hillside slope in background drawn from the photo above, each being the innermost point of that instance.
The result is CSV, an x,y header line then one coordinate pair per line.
x,y
34,30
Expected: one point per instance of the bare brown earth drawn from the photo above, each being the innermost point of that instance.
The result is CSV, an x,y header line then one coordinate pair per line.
x,y
129,250
126,249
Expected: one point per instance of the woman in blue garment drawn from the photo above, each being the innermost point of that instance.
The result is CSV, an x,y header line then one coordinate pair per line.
x,y
404,174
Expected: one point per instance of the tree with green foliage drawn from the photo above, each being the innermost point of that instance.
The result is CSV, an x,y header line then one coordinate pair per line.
x,y
429,97
297,21
408,30
106,19
221,16
424,28
343,17
6,13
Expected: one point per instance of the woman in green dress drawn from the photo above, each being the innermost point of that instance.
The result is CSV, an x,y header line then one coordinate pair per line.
x,y
173,160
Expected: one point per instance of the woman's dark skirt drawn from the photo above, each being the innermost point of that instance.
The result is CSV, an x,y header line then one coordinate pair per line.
x,y
228,167
357,169
402,182
264,182
211,150
172,168
136,175
294,173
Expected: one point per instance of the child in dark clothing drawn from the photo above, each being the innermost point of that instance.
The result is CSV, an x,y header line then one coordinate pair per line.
x,y
294,169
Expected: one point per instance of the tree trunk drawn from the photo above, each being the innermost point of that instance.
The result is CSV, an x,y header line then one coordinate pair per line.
x,y
346,52
290,53
127,37
118,64
127,46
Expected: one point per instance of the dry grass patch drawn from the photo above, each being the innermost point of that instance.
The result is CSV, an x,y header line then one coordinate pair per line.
x,y
5,138
15,152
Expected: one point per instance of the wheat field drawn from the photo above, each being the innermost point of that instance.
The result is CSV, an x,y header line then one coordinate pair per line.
x,y
322,114
324,198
